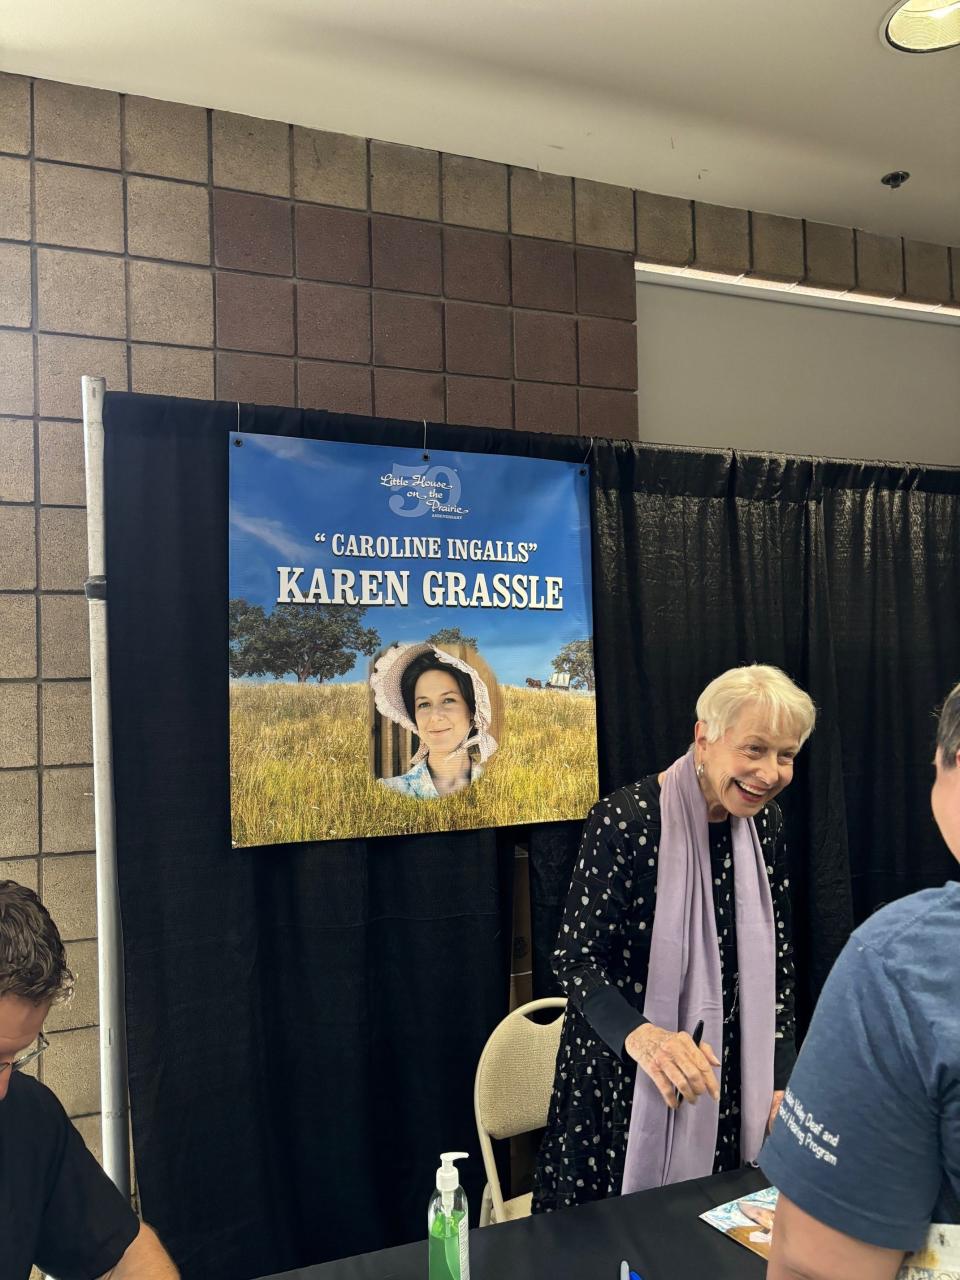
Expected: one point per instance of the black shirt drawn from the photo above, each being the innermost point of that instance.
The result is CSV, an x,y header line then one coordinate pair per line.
x,y
58,1209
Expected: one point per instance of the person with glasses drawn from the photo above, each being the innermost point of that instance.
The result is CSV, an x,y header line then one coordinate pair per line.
x,y
58,1209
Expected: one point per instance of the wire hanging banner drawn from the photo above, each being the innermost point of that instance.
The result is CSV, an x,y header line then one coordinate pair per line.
x,y
411,640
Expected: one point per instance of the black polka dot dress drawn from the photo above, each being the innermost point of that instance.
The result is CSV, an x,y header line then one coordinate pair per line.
x,y
601,961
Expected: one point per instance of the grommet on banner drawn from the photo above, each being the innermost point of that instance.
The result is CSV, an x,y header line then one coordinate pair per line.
x,y
583,464
426,456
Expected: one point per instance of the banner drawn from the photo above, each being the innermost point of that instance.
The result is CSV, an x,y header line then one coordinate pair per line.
x,y
411,641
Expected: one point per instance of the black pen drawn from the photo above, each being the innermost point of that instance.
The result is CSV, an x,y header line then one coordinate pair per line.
x,y
696,1038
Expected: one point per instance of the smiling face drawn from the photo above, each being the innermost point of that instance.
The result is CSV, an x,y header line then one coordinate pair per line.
x,y
441,713
746,767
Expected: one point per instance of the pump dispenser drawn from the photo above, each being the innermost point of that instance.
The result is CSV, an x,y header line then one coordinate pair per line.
x,y
447,1225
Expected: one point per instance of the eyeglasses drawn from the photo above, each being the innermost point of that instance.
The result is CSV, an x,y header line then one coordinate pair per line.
x,y
18,1064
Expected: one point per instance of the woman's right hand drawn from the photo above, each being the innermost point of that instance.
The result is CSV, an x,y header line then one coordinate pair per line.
x,y
673,1062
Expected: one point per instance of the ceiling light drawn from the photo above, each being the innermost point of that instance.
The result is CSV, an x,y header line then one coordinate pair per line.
x,y
923,26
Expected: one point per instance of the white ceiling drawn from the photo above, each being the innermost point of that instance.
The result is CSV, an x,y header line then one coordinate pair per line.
x,y
792,108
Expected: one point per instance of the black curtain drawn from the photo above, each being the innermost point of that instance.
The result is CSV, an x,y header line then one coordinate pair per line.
x,y
304,1021
846,575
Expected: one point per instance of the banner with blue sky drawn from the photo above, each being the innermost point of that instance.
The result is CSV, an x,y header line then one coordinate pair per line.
x,y
411,641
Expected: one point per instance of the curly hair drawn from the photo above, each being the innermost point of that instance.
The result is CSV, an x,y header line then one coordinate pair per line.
x,y
948,729
33,962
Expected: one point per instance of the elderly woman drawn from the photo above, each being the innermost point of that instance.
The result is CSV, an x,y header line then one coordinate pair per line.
x,y
678,914
443,700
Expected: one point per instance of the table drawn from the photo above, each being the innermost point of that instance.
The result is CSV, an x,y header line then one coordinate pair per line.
x,y
658,1232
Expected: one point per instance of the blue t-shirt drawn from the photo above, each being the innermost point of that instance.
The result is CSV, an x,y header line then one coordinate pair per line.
x,y
867,1139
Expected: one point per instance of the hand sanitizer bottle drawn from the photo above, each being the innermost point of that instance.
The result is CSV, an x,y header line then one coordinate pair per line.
x,y
448,1240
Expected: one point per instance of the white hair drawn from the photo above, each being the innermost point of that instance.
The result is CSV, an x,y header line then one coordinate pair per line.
x,y
773,692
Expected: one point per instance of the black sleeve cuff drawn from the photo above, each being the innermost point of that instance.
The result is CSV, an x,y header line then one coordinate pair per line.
x,y
784,1060
612,1017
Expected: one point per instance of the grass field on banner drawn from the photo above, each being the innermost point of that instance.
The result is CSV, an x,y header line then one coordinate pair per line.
x,y
299,767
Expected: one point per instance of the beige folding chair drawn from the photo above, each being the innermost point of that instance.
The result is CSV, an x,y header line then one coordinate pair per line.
x,y
511,1094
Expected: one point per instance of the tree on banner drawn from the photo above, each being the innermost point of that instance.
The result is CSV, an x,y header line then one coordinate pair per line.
x,y
311,642
576,660
452,635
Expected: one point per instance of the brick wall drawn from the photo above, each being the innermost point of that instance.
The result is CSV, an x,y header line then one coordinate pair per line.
x,y
181,251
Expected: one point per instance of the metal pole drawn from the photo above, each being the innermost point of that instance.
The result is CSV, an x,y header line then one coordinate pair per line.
x,y
113,1036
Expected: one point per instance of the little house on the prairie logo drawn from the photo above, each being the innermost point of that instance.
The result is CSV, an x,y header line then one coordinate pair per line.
x,y
434,491
389,677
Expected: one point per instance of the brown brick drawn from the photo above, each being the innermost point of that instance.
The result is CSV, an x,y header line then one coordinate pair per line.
x,y
62,479
172,371
171,304
332,244
14,198
407,332
541,205
19,816
14,113
71,1068
82,1009
480,402
609,414
404,180
546,407
606,284
165,138
777,246
16,461
406,254
63,548
543,275
251,154
168,220
62,362
927,270
333,322
475,193
879,264
830,261
255,313
70,890
476,266
80,293
330,168
64,637
252,233
546,347
339,388
18,725
16,304
478,340
255,379
18,637
82,208
722,237
66,820
664,229
401,394
16,373
25,871
76,124
608,354
67,737
18,563
604,215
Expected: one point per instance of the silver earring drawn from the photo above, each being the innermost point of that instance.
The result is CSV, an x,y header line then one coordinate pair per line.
x,y
700,769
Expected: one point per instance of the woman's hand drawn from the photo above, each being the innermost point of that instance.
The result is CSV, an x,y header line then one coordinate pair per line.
x,y
673,1061
774,1108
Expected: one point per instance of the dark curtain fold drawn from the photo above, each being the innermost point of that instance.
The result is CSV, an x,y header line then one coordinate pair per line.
x,y
304,1021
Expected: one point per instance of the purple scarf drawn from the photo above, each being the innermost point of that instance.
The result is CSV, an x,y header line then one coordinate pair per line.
x,y
683,986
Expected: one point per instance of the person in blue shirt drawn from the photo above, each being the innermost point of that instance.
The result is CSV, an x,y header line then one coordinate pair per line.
x,y
866,1145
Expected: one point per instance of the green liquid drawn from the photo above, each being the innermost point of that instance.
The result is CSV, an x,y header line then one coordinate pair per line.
x,y
443,1247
